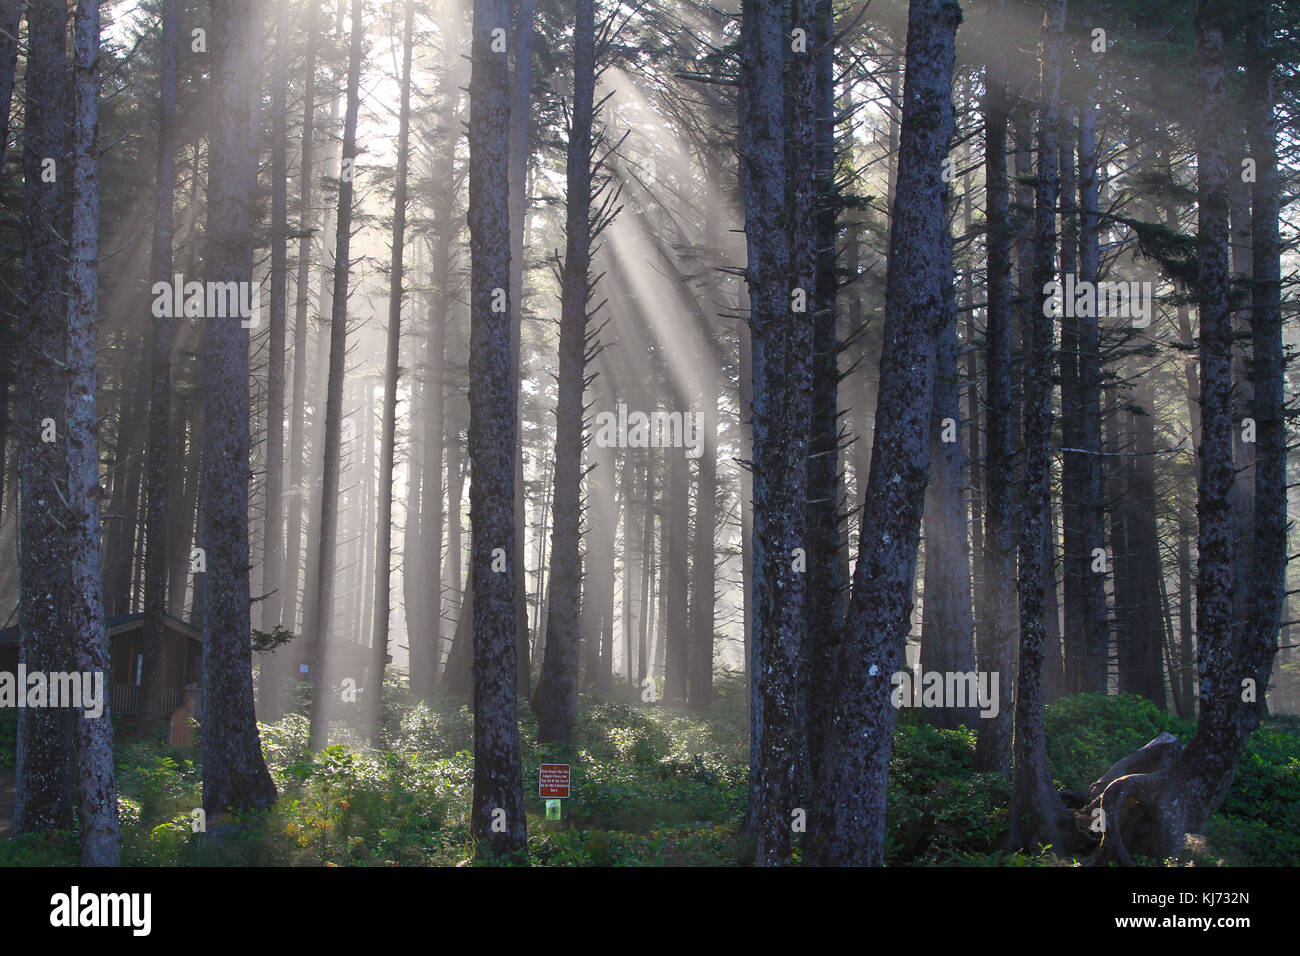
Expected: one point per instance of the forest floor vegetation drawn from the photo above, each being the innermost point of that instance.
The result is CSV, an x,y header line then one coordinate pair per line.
x,y
652,786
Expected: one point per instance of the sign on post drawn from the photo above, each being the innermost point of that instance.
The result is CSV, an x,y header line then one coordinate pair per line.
x,y
553,781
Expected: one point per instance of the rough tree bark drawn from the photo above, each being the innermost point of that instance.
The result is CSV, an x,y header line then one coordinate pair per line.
x,y
158,467
96,790
855,776
1038,815
1075,559
518,146
1095,623
497,816
947,628
993,651
825,492
1266,610
557,692
43,790
781,340
234,772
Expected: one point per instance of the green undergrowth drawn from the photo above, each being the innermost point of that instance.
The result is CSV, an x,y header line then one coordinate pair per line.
x,y
652,786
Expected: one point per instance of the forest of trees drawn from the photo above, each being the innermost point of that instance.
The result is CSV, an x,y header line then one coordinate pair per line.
x,y
837,364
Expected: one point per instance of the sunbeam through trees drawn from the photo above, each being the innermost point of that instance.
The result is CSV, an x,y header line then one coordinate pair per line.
x,y
649,432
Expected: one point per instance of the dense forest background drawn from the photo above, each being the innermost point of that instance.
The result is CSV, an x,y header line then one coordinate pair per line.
x,y
646,386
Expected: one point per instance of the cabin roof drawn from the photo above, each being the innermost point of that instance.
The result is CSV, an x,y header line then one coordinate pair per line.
x,y
122,624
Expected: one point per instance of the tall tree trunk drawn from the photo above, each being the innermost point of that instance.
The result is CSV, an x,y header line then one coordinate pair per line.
x,y
1186,635
782,354
520,115
1037,813
1243,388
996,627
383,542
43,790
598,583
158,481
273,515
1095,639
1265,612
1073,462
128,459
312,608
856,766
1053,662
323,694
632,570
185,532
426,645
234,772
302,298
826,572
974,410
704,557
1144,547
427,571
676,575
415,564
745,391
1221,705
647,572
456,672
497,816
947,629
96,790
557,693
182,531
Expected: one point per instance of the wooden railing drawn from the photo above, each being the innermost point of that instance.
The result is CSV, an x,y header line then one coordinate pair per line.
x,y
124,699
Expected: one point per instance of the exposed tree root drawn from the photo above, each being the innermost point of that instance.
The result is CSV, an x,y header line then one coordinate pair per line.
x,y
1136,806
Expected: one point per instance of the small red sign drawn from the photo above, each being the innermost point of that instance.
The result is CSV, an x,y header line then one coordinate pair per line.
x,y
553,781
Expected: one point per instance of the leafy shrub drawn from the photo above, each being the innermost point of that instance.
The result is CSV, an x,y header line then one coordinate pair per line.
x,y
56,848
938,805
286,744
1087,733
423,730
1259,822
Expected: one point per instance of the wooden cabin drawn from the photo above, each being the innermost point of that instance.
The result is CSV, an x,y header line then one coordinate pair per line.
x,y
182,663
